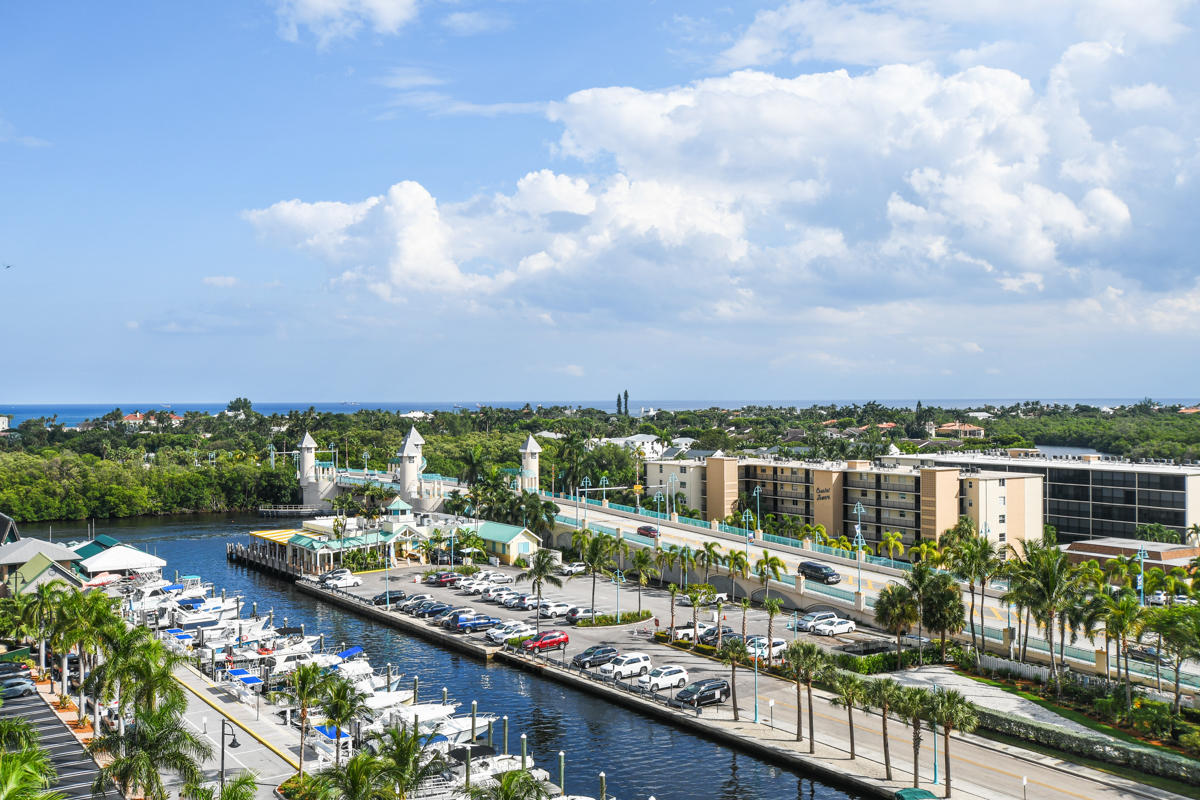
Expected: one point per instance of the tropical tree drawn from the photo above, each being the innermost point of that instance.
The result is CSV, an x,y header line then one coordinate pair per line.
x,y
542,570
363,777
16,733
156,745
744,605
1125,618
243,786
1179,628
731,652
912,705
773,606
673,591
40,612
516,784
738,566
664,560
973,559
123,648
766,568
925,551
305,689
25,775
807,662
942,608
686,557
953,712
892,542
340,705
917,580
710,556
896,612
699,594
883,694
407,760
596,554
849,691
642,562
151,675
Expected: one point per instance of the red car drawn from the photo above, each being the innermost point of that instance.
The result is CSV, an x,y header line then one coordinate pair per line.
x,y
546,640
648,530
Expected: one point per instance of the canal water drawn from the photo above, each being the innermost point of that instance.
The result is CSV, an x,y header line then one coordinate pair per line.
x,y
640,757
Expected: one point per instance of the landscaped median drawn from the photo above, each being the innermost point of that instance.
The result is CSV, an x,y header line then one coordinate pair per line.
x,y
601,620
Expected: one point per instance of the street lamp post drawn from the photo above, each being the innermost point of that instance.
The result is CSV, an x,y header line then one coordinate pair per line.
x,y
672,478
758,504
746,519
584,484
618,579
858,510
1141,557
658,501
233,745
859,544
603,488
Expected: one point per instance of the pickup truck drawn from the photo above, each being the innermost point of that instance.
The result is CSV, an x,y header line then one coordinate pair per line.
x,y
480,622
719,597
685,632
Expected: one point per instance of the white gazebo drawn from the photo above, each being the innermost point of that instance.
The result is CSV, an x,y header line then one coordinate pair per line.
x,y
121,558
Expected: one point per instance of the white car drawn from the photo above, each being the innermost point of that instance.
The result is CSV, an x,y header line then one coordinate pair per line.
x,y
479,588
574,568
503,594
685,632
343,582
757,645
493,591
665,677
500,578
513,630
553,610
834,627
334,574
627,665
812,619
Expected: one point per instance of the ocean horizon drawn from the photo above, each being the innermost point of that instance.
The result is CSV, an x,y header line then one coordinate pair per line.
x,y
71,414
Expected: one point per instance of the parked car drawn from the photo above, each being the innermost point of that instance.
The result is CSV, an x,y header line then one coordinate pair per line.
x,y
649,531
388,598
686,633
1149,655
595,656
812,619
55,668
707,692
445,579
709,637
344,582
479,622
719,597
664,677
834,627
414,601
444,557
333,573
479,587
450,621
494,591
15,669
577,613
511,630
16,687
574,568
432,610
627,665
423,605
450,612
517,600
757,645
502,578
547,640
554,609
822,573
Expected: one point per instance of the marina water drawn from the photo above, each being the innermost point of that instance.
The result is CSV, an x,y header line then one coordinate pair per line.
x,y
640,756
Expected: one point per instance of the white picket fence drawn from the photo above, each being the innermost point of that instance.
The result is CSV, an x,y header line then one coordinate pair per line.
x,y
1031,672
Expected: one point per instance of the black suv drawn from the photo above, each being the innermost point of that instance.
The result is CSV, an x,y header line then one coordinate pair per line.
x,y
703,693
386,598
595,656
709,637
813,571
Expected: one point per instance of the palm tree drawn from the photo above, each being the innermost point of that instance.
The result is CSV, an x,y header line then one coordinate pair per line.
x,y
16,733
1048,580
883,693
912,706
685,557
643,562
917,580
243,786
673,591
25,774
925,551
364,777
474,465
407,760
739,566
155,745
1125,617
664,560
773,606
516,784
1179,628
731,653
942,608
768,567
710,556
596,555
306,687
896,612
744,605
41,612
953,712
151,675
123,648
807,662
340,705
541,571
849,691
893,542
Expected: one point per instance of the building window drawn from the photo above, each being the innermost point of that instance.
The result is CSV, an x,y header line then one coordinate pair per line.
x,y
863,493
1001,499
795,502
970,484
683,470
901,513
1002,481
660,469
1001,519
903,496
683,484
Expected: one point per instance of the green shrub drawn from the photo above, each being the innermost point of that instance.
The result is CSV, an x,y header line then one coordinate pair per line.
x,y
521,563
661,637
1109,709
1191,741
704,649
1151,718
516,640
611,619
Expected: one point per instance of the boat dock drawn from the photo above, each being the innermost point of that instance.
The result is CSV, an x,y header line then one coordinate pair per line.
x,y
291,511
239,553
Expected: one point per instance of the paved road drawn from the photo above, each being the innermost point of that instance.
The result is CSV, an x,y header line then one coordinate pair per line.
x,y
981,768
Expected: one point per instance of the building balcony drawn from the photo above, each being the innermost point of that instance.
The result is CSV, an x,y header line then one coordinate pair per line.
x,y
904,504
899,522
892,486
854,483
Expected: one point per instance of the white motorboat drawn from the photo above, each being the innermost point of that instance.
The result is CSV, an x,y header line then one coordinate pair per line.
x,y
458,729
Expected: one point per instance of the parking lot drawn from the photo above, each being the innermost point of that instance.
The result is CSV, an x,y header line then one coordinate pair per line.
x,y
75,769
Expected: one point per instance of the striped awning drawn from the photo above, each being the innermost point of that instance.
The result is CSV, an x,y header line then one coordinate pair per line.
x,y
279,536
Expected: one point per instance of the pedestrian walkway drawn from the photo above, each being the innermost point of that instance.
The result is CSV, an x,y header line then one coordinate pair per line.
x,y
264,745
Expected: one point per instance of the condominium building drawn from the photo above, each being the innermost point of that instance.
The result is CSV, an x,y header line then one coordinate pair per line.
x,y
1092,496
846,497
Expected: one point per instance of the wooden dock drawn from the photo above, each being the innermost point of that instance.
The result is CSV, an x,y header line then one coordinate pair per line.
x,y
239,553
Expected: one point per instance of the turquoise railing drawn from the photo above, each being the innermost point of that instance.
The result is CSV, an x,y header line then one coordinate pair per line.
x,y
730,529
645,541
592,502
832,591
696,523
770,537
603,529
620,507
565,520
655,514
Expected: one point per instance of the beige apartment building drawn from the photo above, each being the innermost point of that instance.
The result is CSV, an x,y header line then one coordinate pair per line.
x,y
847,496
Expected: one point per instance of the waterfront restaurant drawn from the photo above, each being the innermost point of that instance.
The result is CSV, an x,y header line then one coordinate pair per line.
x,y
312,552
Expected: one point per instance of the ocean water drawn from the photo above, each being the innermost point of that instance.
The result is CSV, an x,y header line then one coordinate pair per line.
x,y
73,413
641,757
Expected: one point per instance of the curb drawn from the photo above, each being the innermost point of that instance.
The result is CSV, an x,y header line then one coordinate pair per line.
x,y
287,758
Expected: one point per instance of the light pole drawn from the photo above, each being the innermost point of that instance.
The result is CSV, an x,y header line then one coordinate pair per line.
x,y
366,455
584,484
859,511
672,478
859,544
618,578
758,503
771,706
658,501
603,488
233,745
1141,557
746,518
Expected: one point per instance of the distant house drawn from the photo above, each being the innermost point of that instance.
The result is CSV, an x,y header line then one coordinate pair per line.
x,y
3,422
507,543
648,444
979,415
24,560
138,419
959,430
1189,410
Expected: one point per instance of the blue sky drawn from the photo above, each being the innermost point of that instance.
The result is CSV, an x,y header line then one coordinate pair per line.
x,y
398,199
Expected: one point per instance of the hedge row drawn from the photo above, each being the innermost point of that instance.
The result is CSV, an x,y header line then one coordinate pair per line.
x,y
611,619
1094,746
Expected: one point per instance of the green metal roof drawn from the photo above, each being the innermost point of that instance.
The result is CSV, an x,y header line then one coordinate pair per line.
x,y
99,544
369,539
399,505
499,532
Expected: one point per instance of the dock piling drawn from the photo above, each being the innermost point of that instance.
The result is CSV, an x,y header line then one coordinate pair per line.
x,y
445,695
524,750
603,787
474,708
562,771
491,726
506,734
416,687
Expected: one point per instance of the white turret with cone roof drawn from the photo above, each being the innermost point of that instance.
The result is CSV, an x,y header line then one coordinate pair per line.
x,y
412,461
308,460
530,470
